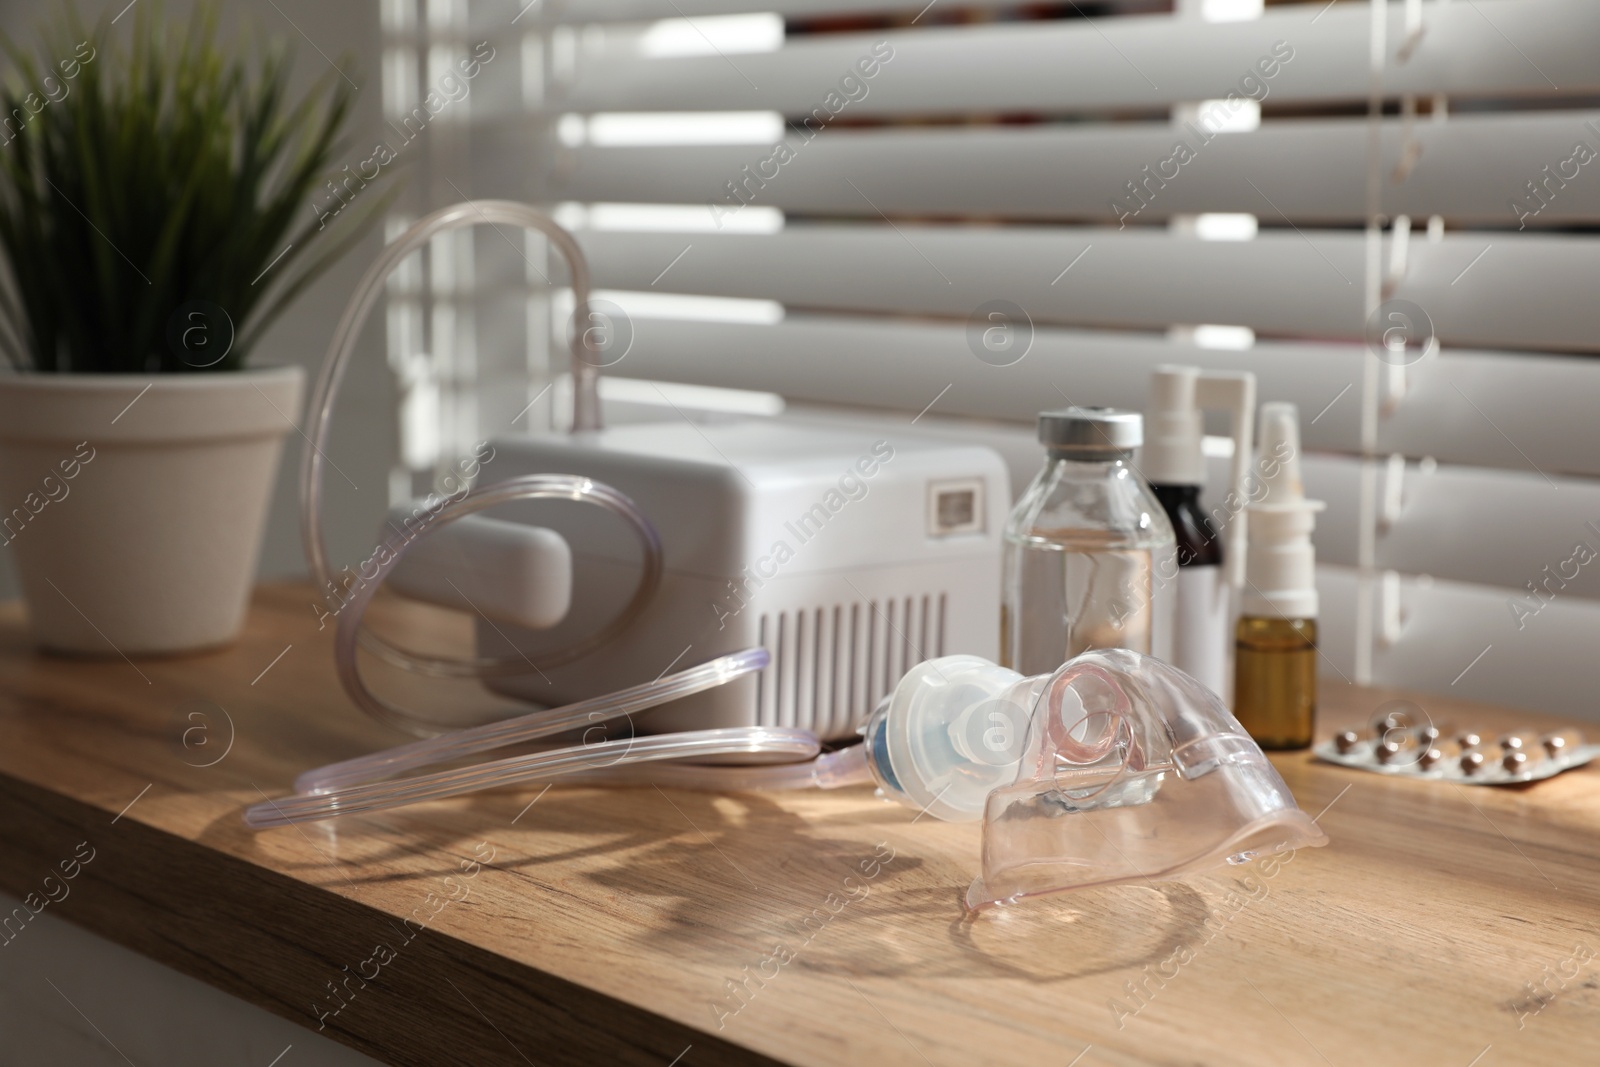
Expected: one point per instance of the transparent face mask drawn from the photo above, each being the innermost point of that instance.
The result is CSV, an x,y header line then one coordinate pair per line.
x,y
1130,770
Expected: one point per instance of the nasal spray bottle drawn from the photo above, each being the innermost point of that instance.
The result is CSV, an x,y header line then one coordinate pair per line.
x,y
1173,462
1275,642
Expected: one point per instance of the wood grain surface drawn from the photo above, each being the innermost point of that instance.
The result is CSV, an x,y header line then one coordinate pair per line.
x,y
638,926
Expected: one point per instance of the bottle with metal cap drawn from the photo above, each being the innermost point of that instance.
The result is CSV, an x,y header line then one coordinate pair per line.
x,y
1090,558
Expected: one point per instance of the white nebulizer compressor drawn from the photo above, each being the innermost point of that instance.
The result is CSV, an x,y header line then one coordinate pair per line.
x,y
848,554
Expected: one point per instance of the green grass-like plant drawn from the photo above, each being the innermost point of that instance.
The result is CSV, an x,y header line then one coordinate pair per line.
x,y
145,185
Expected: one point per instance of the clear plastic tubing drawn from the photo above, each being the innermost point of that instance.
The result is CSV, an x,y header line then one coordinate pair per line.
x,y
746,741
349,633
532,726
586,417
831,770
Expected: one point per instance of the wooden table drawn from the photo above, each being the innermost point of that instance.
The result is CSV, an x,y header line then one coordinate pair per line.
x,y
623,926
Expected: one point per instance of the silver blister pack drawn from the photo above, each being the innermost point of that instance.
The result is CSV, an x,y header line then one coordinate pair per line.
x,y
1402,741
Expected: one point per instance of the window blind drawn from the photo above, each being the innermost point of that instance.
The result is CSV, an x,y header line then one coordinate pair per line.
x,y
1385,210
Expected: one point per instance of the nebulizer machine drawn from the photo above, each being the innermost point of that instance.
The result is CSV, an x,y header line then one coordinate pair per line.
x,y
1113,767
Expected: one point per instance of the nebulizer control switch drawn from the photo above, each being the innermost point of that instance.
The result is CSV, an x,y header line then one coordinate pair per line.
x,y
956,507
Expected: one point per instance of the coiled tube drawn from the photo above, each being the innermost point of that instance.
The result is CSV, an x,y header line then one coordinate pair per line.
x,y
586,416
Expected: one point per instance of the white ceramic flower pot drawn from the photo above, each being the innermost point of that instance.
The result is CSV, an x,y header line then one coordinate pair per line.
x,y
133,507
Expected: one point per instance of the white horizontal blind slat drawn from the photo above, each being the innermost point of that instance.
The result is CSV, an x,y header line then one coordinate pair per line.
x,y
1304,171
1522,413
1466,524
1512,290
1088,65
591,11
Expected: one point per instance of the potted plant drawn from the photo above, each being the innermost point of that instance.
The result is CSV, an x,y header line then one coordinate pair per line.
x,y
153,223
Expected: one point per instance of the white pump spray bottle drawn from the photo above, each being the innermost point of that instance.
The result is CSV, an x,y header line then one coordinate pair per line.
x,y
1173,462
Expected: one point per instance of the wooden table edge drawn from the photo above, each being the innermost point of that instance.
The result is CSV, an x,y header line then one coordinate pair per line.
x,y
197,910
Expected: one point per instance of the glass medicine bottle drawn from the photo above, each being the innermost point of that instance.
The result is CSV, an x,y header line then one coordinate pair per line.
x,y
1275,644
1090,557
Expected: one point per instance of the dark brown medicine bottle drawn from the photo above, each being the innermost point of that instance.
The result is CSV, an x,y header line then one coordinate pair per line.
x,y
1275,641
1197,543
1275,680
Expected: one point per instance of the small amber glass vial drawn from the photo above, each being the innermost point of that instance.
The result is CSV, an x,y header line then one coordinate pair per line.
x,y
1275,680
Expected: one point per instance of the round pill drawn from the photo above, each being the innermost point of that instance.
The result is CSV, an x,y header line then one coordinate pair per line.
x,y
1555,744
1471,762
1429,758
1346,740
1514,761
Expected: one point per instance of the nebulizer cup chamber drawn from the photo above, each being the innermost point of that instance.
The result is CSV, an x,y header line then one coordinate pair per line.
x,y
1114,768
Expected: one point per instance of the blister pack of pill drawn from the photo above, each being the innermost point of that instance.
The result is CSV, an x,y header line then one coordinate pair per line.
x,y
1403,742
